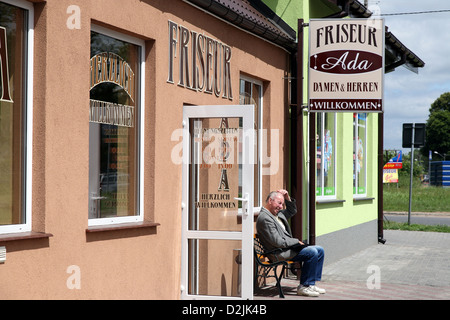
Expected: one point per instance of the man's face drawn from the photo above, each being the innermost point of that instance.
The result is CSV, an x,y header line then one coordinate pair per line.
x,y
276,204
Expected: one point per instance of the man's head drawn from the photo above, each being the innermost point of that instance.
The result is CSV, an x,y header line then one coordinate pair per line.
x,y
274,202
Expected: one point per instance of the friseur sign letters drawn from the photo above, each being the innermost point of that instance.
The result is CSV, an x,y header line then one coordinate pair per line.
x,y
204,64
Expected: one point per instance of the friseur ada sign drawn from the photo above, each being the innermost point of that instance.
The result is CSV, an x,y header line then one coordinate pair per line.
x,y
346,65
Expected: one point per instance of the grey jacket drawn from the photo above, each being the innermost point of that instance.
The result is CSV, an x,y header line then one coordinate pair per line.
x,y
273,236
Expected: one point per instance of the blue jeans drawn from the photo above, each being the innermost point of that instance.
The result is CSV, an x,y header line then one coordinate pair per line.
x,y
312,258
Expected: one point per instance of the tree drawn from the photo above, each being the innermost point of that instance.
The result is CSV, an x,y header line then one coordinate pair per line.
x,y
406,165
438,126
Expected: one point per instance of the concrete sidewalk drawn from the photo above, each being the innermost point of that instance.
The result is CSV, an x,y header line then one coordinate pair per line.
x,y
410,265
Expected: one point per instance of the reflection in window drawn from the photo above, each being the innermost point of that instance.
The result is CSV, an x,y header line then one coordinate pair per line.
x,y
113,127
215,173
326,155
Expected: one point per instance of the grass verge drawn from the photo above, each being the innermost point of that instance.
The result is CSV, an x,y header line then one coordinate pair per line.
x,y
392,225
424,198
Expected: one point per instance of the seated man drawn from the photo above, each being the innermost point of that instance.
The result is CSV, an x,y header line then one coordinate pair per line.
x,y
274,232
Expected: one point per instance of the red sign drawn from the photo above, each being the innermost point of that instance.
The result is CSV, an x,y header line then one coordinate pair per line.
x,y
393,165
354,105
346,61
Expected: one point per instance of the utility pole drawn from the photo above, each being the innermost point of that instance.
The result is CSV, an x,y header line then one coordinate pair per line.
x,y
411,176
416,133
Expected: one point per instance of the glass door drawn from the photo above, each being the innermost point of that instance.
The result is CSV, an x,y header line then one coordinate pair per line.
x,y
217,202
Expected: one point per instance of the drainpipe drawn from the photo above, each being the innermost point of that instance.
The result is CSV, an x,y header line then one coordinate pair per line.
x,y
312,178
297,140
298,156
380,177
311,150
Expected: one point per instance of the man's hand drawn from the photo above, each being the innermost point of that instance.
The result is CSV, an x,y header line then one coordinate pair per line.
x,y
285,194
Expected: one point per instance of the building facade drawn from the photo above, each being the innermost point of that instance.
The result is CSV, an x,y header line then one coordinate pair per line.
x,y
139,139
92,198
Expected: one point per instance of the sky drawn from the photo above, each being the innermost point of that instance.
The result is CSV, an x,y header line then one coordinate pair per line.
x,y
407,95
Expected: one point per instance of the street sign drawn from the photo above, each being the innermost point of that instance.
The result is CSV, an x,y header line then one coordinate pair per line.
x,y
419,135
413,136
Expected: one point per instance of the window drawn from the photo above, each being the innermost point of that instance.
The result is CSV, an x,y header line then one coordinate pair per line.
x,y
326,155
250,92
115,125
16,44
359,154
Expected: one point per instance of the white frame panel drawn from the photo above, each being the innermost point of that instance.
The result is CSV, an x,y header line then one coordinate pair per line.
x,y
139,217
356,126
260,136
246,236
322,136
26,227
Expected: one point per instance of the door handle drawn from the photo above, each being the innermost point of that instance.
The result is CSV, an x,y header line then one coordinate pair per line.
x,y
244,203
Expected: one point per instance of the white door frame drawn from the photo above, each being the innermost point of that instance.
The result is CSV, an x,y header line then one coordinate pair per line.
x,y
246,112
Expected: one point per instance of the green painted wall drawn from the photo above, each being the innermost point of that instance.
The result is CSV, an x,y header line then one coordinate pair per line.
x,y
332,217
289,10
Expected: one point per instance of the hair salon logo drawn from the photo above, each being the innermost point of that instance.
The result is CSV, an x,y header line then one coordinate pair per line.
x,y
346,65
5,94
346,61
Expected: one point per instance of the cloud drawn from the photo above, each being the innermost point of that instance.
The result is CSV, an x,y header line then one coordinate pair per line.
x,y
408,96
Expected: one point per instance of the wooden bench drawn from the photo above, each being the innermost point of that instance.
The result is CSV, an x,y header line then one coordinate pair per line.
x,y
268,267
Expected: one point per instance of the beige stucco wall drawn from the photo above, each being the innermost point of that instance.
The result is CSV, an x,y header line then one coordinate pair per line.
x,y
132,263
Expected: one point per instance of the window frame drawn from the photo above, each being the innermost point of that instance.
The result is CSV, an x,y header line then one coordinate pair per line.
x,y
334,143
28,121
258,155
140,88
356,126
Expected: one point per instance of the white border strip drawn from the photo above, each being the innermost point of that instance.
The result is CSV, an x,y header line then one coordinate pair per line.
x,y
29,120
141,43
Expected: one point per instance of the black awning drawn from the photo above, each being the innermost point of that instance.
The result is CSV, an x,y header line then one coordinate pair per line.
x,y
246,16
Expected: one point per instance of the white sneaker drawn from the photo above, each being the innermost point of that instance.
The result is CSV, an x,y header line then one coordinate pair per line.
x,y
307,291
319,290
